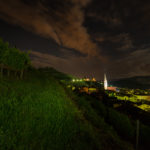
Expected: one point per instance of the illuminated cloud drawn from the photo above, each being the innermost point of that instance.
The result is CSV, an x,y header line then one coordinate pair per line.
x,y
64,24
81,2
26,16
78,66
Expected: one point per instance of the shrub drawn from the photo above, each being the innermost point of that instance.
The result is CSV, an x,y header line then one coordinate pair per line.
x,y
121,124
144,135
99,108
3,49
16,59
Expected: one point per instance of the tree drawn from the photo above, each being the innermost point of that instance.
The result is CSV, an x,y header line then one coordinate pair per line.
x,y
13,59
4,46
16,60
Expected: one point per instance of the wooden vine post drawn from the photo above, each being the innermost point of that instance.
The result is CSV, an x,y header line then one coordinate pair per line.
x,y
21,74
1,70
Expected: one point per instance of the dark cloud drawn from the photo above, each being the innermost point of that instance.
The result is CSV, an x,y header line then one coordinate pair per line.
x,y
121,28
122,40
78,66
136,63
109,20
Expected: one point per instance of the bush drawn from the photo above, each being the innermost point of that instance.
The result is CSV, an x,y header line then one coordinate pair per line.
x,y
99,108
121,124
3,49
144,136
15,59
12,58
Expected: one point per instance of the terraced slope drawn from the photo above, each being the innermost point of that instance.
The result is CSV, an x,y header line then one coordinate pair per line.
x,y
36,113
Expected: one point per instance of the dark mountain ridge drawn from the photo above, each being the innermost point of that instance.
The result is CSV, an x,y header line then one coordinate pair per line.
x,y
140,82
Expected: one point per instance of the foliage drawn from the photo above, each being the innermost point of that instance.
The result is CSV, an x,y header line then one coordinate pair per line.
x,y
144,135
99,107
37,113
16,59
4,46
104,133
121,124
13,57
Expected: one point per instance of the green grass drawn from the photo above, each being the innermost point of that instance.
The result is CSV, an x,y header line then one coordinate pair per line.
x,y
95,113
37,113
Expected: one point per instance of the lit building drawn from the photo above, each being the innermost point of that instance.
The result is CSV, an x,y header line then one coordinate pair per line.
x,y
86,79
93,79
112,88
105,82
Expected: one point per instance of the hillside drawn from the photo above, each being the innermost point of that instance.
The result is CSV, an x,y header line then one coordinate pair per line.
x,y
141,82
38,113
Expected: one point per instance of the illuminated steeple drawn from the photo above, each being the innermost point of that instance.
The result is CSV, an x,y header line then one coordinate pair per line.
x,y
105,82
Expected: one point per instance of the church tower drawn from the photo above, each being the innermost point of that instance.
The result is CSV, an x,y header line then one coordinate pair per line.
x,y
105,82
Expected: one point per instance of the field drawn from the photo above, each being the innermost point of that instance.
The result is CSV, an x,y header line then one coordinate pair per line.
x,y
38,112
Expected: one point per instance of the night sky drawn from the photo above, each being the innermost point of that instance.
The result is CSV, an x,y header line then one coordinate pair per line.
x,y
81,37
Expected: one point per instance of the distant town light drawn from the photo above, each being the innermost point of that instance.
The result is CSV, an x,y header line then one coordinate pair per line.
x,y
87,79
93,79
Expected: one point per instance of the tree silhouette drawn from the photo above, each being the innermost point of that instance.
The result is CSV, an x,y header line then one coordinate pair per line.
x,y
13,59
4,46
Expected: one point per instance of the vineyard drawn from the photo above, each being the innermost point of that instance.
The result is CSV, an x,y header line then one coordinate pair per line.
x,y
12,60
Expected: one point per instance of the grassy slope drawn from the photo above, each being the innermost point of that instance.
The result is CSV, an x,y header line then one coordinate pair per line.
x,y
37,113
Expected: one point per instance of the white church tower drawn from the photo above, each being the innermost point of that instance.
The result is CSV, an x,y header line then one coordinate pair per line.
x,y
105,82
